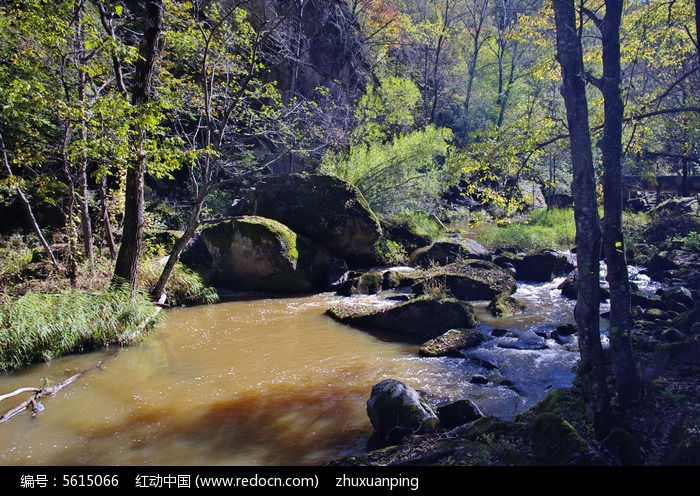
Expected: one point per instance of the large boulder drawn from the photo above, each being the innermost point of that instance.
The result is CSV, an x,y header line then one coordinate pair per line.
x,y
447,251
323,208
396,410
259,254
423,317
541,266
468,280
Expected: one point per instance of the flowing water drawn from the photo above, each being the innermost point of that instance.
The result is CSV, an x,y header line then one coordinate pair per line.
x,y
270,381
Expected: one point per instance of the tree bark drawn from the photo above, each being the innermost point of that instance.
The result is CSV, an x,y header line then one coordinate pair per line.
x,y
621,323
126,266
586,311
106,224
80,59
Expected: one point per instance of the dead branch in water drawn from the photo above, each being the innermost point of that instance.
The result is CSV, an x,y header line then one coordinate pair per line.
x,y
31,403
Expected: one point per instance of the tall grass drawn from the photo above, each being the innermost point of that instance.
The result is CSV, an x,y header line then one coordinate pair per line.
x,y
38,327
544,229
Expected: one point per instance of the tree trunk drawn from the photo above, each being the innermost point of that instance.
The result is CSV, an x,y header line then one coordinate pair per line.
x,y
621,323
86,223
126,267
586,311
106,224
158,293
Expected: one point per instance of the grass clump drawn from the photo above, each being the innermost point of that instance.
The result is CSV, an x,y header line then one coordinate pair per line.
x,y
544,229
38,327
185,286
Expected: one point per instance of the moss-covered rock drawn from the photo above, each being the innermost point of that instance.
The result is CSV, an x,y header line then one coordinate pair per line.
x,y
422,317
451,342
469,280
555,442
623,445
684,321
323,208
504,305
395,410
259,254
367,283
396,278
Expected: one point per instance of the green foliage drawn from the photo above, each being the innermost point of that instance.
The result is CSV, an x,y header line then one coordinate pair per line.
x,y
545,228
15,256
418,223
410,172
185,287
691,242
386,110
39,327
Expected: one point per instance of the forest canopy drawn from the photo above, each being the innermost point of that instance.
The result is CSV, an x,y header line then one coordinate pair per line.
x,y
405,99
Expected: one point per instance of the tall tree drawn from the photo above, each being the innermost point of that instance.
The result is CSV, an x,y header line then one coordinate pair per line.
x,y
586,311
621,322
126,266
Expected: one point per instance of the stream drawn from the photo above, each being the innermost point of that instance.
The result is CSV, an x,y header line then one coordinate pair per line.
x,y
268,381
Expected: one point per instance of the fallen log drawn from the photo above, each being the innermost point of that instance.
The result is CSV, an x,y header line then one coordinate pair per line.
x,y
31,404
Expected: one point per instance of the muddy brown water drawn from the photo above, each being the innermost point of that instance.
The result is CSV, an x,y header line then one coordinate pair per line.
x,y
268,381
257,382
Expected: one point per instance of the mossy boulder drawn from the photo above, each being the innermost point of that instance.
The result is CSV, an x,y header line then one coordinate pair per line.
x,y
260,254
624,446
555,442
367,283
423,317
447,251
396,410
450,343
468,280
685,321
503,305
399,277
323,208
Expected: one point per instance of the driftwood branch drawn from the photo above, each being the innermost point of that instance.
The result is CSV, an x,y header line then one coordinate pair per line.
x,y
31,403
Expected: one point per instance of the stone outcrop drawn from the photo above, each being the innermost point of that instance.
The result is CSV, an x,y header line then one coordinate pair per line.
x,y
325,209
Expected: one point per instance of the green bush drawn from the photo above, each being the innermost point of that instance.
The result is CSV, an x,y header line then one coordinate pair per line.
x,y
38,327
